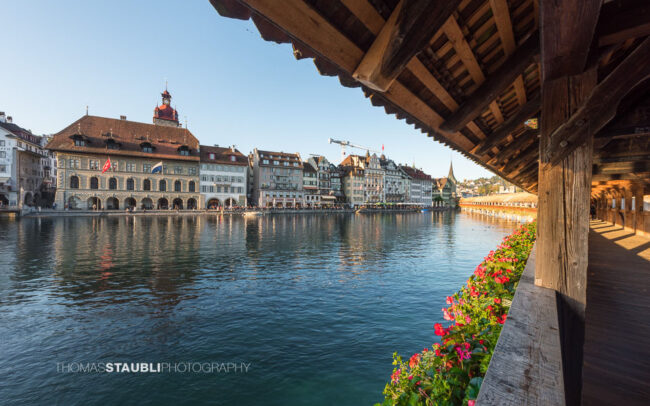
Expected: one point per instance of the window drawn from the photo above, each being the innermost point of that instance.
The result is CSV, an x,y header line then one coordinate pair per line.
x,y
111,144
146,185
112,183
74,182
233,158
177,186
3,154
178,170
211,189
130,167
192,170
211,155
276,163
130,184
185,151
146,168
92,164
73,163
3,168
295,164
265,161
94,183
162,185
2,143
79,142
146,147
192,186
115,166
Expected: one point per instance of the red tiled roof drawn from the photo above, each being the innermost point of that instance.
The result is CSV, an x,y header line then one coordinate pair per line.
x,y
415,173
165,140
222,156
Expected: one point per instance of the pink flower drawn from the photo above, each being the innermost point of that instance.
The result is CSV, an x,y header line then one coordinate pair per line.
x,y
413,362
471,402
439,330
502,319
497,300
395,376
450,300
446,315
468,319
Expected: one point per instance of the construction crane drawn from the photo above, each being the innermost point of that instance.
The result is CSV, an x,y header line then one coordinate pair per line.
x,y
345,144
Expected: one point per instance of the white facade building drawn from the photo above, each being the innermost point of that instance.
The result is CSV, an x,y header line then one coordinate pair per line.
x,y
223,177
22,167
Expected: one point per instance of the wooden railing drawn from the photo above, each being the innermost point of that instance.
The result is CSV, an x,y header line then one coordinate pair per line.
x,y
526,367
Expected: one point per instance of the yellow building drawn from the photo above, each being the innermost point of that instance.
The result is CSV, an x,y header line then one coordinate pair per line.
x,y
134,149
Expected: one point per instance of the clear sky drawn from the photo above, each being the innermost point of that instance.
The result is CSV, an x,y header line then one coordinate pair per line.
x,y
233,87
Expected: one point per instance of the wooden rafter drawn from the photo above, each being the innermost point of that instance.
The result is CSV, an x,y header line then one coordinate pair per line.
x,y
403,35
623,19
600,107
503,77
527,110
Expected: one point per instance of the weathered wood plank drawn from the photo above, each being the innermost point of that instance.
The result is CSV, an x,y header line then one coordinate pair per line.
x,y
567,29
526,367
503,77
409,28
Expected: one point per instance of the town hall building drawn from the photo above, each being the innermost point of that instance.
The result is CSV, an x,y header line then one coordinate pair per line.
x,y
133,179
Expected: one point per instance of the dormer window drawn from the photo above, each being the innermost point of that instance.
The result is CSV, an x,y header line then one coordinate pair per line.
x,y
184,150
146,147
233,158
111,144
211,155
79,140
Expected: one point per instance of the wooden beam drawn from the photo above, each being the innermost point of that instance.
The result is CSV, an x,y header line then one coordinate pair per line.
x,y
597,110
461,46
404,35
231,9
623,19
366,13
563,217
567,28
526,156
620,168
528,110
602,177
501,15
521,142
503,77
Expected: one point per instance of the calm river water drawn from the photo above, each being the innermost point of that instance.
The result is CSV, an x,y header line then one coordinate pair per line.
x,y
315,304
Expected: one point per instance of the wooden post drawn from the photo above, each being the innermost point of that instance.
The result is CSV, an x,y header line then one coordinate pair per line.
x,y
564,191
638,209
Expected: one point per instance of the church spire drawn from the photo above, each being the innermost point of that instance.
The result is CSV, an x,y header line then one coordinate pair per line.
x,y
451,172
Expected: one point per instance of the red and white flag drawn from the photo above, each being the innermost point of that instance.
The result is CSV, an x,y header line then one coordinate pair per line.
x,y
107,165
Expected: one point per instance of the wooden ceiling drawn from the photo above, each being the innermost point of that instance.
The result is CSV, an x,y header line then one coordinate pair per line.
x,y
467,72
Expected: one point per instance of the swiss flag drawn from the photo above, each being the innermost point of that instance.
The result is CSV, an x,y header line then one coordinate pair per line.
x,y
107,165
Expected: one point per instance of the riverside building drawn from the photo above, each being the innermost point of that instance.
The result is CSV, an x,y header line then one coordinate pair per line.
x,y
24,167
130,152
374,176
277,178
310,185
420,186
224,177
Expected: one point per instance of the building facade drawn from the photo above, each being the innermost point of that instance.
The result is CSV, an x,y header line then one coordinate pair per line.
x,y
353,183
374,176
224,177
113,164
394,181
24,167
310,185
321,163
420,186
277,179
336,180
446,191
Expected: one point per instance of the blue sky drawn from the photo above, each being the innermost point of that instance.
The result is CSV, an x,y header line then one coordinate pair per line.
x,y
233,87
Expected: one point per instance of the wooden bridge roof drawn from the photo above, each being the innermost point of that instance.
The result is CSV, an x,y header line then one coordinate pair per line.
x,y
467,72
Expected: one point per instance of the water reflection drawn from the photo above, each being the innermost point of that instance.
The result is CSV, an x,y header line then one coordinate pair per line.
x,y
315,302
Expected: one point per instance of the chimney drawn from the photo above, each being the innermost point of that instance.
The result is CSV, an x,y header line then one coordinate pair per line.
x,y
232,148
2,117
216,145
122,117
10,119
